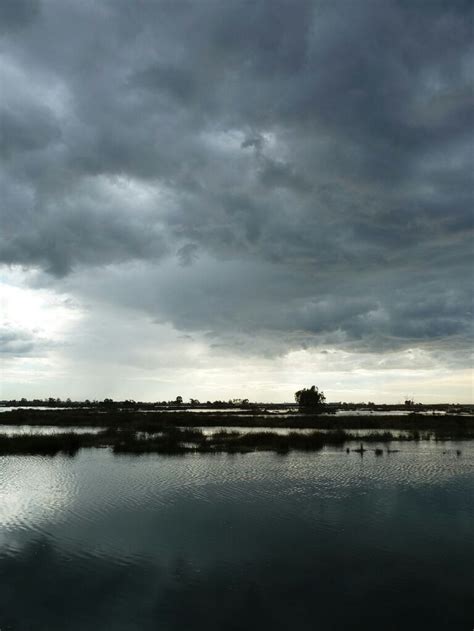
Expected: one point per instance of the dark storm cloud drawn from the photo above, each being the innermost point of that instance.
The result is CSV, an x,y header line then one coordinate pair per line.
x,y
16,14
317,154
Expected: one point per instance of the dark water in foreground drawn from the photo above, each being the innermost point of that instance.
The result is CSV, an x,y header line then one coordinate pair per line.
x,y
306,541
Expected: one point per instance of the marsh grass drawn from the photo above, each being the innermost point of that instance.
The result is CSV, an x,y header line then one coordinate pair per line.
x,y
452,425
47,445
169,439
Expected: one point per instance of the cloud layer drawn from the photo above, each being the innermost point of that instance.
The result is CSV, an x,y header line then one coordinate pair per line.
x,y
273,175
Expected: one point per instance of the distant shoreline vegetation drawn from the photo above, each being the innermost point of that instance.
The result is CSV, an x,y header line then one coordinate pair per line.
x,y
310,400
307,400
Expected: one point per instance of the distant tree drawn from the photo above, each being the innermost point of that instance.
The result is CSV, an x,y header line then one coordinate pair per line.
x,y
194,401
240,402
310,398
179,400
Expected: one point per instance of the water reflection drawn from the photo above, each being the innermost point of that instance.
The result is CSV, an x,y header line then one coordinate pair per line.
x,y
305,541
284,431
47,430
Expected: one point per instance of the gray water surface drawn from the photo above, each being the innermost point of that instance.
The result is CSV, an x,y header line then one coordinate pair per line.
x,y
305,541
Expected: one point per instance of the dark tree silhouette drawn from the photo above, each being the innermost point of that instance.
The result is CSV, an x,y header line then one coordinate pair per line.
x,y
310,398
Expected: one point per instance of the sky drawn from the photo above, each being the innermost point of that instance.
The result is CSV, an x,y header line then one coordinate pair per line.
x,y
236,199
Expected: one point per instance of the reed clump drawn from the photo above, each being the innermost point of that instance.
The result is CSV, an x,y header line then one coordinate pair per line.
x,y
45,445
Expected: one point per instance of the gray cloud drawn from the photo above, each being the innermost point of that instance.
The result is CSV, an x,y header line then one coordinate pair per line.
x,y
308,164
16,342
18,14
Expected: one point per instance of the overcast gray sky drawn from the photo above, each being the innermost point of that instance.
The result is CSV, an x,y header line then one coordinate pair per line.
x,y
236,198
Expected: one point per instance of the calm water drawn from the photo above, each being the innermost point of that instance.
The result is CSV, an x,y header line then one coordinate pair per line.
x,y
326,540
46,430
50,430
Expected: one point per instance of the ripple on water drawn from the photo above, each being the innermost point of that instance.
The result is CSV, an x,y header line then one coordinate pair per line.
x,y
34,492
74,501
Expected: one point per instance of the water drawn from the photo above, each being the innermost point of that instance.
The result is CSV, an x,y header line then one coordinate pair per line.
x,y
307,541
47,430
51,430
9,408
284,431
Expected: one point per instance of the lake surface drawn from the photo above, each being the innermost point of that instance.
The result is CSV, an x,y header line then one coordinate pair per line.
x,y
47,430
51,430
306,541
